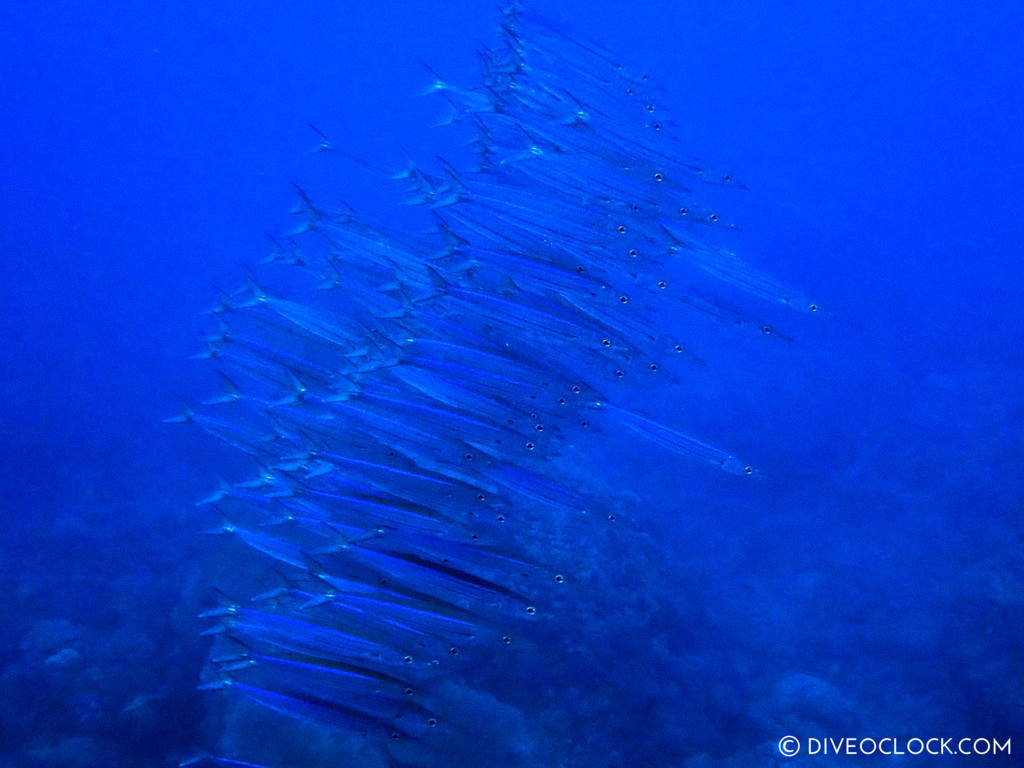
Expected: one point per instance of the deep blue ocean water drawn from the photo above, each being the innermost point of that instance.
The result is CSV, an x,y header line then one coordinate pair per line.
x,y
867,582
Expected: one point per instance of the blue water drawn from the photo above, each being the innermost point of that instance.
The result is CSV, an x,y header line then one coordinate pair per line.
x,y
865,582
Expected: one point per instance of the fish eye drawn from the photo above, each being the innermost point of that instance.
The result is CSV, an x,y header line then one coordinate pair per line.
x,y
683,211
653,366
580,268
559,578
407,659
395,736
679,347
611,516
561,401
480,497
713,217
539,427
767,330
657,126
629,91
453,651
606,342
408,691
506,639
633,252
650,108
468,457
530,610
620,373
620,229
500,518
432,722
576,389
643,76
530,446
813,307
727,177
662,284
659,177
748,470
623,299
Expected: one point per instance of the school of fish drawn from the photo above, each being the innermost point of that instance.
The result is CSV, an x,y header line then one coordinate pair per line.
x,y
418,407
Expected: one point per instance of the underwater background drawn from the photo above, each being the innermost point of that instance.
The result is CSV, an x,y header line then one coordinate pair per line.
x,y
866,581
